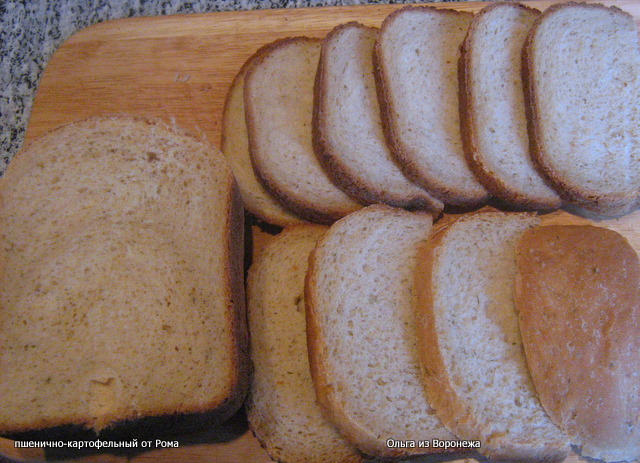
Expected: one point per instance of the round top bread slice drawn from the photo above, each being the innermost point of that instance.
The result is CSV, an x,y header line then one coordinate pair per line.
x,y
120,278
347,130
417,53
578,296
361,331
281,407
278,95
582,82
492,110
235,146
475,370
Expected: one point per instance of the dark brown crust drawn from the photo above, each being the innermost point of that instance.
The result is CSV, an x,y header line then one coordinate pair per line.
x,y
494,184
344,176
300,207
217,410
577,291
609,205
408,165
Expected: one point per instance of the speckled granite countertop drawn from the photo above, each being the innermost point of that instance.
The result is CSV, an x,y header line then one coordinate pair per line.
x,y
31,30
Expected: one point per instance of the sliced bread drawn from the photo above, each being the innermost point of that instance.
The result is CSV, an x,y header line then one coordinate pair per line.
x,y
235,146
417,53
492,113
282,408
578,295
278,95
475,370
347,129
120,278
582,82
361,331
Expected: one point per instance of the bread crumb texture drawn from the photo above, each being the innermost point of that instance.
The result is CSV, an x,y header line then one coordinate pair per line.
x,y
115,284
585,76
282,408
366,360
479,356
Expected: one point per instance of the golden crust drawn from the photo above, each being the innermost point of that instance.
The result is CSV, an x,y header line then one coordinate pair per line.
x,y
578,297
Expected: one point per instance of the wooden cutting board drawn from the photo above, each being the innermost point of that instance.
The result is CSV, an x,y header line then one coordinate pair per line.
x,y
179,68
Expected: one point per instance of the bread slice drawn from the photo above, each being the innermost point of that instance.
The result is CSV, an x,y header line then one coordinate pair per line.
x,y
417,53
235,147
347,129
361,335
578,295
281,407
582,76
476,373
279,107
492,113
120,278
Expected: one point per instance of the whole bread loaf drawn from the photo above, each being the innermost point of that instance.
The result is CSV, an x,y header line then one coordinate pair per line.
x,y
582,82
281,407
120,278
475,370
578,295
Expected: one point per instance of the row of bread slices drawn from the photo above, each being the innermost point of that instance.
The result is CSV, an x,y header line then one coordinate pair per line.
x,y
430,110
380,337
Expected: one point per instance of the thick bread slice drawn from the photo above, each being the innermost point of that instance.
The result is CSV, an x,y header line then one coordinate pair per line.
x,y
582,82
475,369
578,294
278,96
121,288
235,146
281,407
347,129
492,114
417,53
360,328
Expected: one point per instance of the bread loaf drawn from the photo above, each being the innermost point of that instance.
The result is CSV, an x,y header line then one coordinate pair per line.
x,y
578,295
120,278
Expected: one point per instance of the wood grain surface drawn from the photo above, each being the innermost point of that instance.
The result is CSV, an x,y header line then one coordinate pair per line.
x,y
179,68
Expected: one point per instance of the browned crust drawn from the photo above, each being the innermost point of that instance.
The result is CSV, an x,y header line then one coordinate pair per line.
x,y
350,181
218,409
608,205
469,120
394,139
260,214
298,206
577,292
